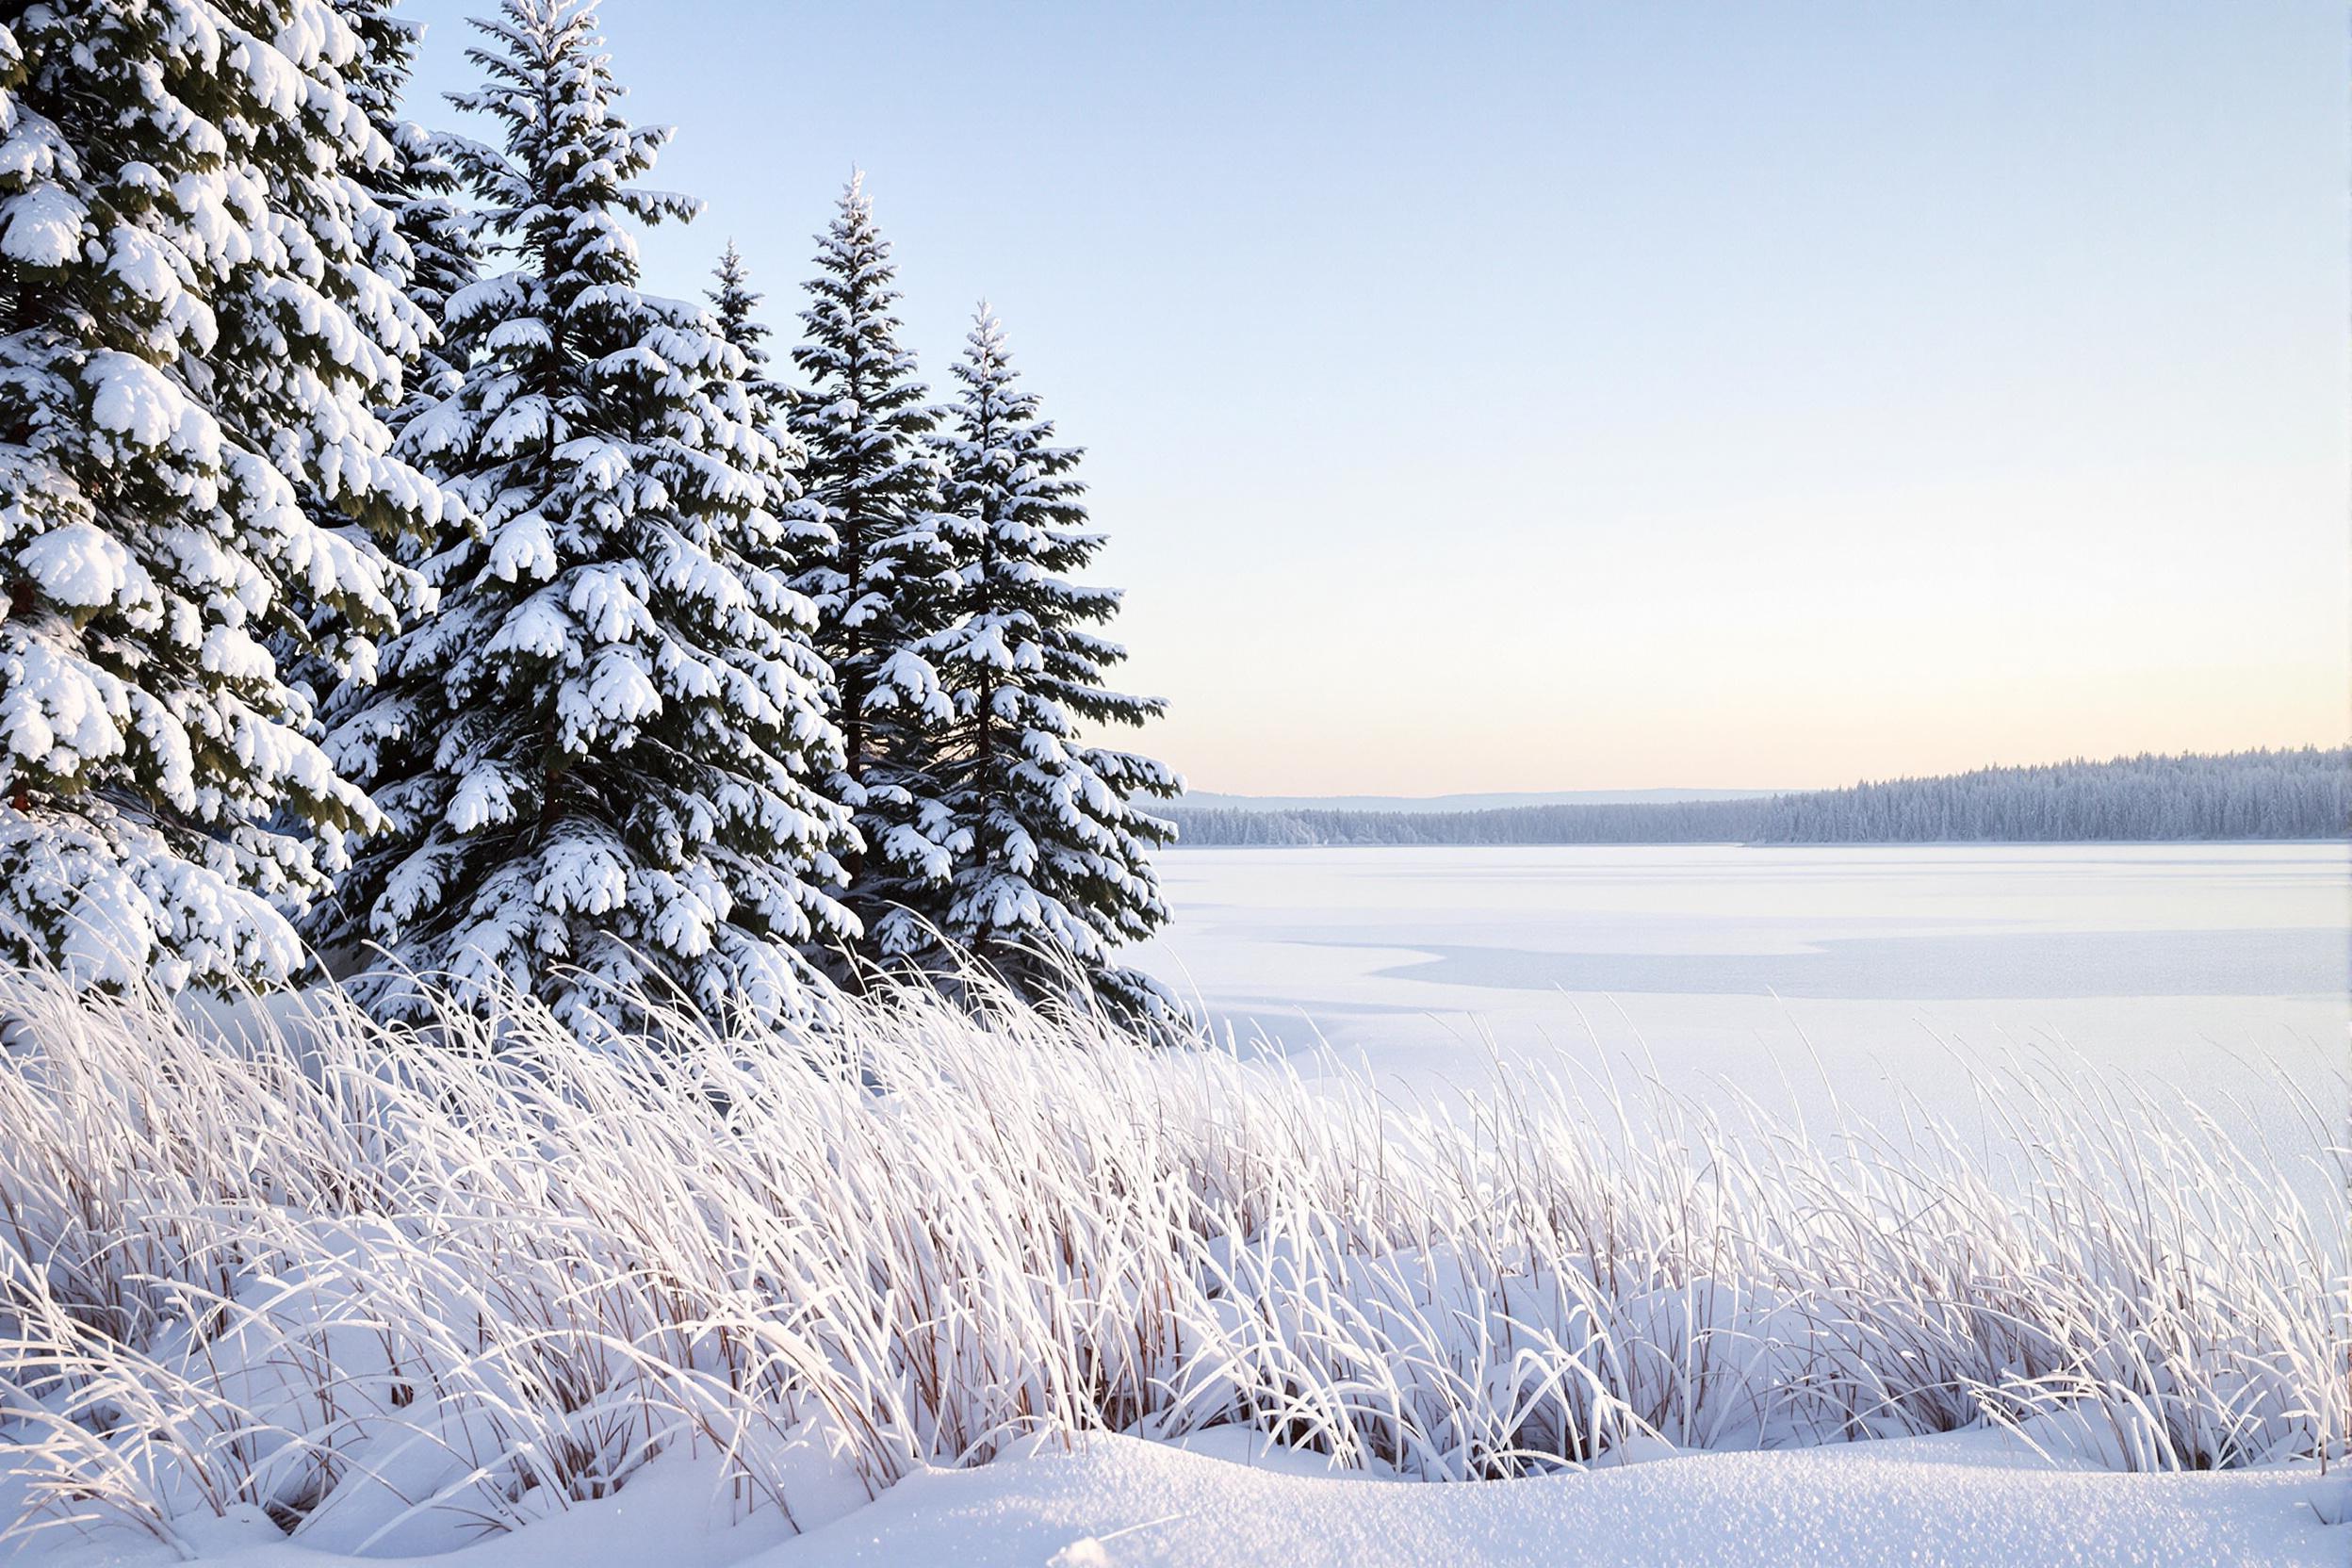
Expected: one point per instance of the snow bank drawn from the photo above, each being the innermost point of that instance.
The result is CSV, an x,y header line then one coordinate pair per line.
x,y
1953,1501
1957,1501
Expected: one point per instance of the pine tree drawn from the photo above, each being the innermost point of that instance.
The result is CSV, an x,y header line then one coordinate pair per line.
x,y
870,495
735,306
1051,856
799,543
422,241
191,343
430,243
598,755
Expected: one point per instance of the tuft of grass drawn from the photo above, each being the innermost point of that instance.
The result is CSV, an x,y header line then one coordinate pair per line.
x,y
375,1281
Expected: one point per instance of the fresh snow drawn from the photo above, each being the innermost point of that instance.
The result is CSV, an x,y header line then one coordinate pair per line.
x,y
1960,1500
42,227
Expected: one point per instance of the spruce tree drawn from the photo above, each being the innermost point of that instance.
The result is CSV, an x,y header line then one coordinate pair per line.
x,y
430,242
422,241
598,755
1051,856
797,542
192,340
868,508
735,306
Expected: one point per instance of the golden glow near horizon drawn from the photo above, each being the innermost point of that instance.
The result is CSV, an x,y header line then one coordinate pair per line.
x,y
1793,639
1910,430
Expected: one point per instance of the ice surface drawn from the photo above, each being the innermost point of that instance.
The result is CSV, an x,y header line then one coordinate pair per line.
x,y
1779,972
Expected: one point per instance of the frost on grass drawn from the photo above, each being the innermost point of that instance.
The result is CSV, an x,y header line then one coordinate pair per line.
x,y
384,1288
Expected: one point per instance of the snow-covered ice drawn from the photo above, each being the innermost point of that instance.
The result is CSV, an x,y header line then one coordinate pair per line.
x,y
1778,972
1355,1288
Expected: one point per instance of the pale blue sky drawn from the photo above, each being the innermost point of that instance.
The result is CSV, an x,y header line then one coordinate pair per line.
x,y
1488,398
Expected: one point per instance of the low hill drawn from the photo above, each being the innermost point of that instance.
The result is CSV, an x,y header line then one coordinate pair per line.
x,y
2304,793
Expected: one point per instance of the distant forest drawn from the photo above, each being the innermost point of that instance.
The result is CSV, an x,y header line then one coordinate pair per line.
x,y
2245,794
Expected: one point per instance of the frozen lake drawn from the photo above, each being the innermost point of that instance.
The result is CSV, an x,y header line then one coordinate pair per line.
x,y
2211,967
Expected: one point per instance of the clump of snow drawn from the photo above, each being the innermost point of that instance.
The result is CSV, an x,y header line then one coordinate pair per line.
x,y
41,227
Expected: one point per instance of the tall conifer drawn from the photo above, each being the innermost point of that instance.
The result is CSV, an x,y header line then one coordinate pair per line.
x,y
1051,856
735,306
193,340
419,239
430,241
598,756
870,495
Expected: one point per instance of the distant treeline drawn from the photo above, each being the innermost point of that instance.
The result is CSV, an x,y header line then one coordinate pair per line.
x,y
1691,822
2247,795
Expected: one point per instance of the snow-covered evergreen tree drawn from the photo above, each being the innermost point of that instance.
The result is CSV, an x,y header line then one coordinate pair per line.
x,y
800,542
1052,855
419,239
598,755
869,494
430,238
735,305
192,340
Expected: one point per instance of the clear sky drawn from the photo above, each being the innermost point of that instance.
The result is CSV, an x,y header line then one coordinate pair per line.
x,y
1604,395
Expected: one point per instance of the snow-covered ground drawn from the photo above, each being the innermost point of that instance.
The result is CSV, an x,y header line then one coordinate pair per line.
x,y
1963,1501
1963,1498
